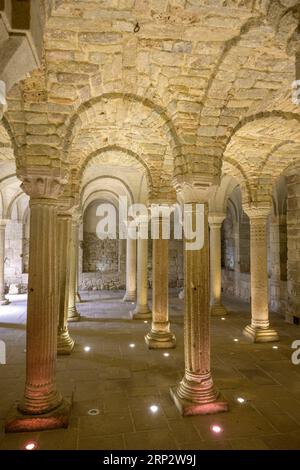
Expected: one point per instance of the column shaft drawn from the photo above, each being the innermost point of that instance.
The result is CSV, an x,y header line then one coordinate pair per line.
x,y
160,335
217,309
73,314
196,393
130,295
65,343
142,310
3,300
41,395
259,330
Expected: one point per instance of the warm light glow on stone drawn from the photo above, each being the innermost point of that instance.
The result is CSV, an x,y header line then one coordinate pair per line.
x,y
132,345
166,354
145,321
275,347
223,318
87,348
235,340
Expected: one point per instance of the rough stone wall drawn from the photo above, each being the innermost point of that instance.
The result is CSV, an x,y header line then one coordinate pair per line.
x,y
293,241
99,255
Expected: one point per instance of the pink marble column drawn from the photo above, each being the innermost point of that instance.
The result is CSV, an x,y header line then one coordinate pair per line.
x,y
42,406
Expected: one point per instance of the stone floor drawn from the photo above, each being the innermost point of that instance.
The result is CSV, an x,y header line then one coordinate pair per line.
x,y
122,382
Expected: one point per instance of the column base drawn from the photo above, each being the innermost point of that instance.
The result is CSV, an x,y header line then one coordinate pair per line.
x,y
190,408
73,315
4,302
65,344
160,340
16,421
78,298
218,310
260,335
141,313
129,297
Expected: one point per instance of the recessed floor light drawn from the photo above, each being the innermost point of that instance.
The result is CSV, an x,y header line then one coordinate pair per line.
x,y
87,348
132,345
216,428
241,400
30,445
166,354
275,347
236,340
145,321
154,408
223,318
93,412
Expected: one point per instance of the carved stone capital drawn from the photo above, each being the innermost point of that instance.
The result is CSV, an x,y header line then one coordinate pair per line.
x,y
257,212
190,190
216,219
43,182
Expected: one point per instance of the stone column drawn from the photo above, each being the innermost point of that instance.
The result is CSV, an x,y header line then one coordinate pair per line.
x,y
3,102
259,331
130,295
160,335
3,299
196,393
65,343
73,314
215,224
236,236
142,310
77,295
42,406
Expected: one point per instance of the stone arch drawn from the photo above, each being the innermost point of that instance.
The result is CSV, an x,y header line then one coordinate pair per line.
x,y
120,149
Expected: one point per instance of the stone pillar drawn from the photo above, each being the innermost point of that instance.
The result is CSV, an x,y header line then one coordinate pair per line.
x,y
236,236
259,331
3,102
73,314
196,393
160,335
77,295
130,295
42,406
293,243
65,343
215,224
142,310
3,299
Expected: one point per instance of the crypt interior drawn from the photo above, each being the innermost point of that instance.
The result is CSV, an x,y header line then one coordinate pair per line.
x,y
143,344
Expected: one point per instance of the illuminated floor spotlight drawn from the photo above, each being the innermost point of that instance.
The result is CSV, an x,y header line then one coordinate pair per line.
x,y
241,400
223,318
166,354
132,345
30,445
154,409
236,340
87,348
274,347
216,429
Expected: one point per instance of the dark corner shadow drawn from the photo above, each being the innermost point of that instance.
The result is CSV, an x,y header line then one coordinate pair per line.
x,y
15,326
